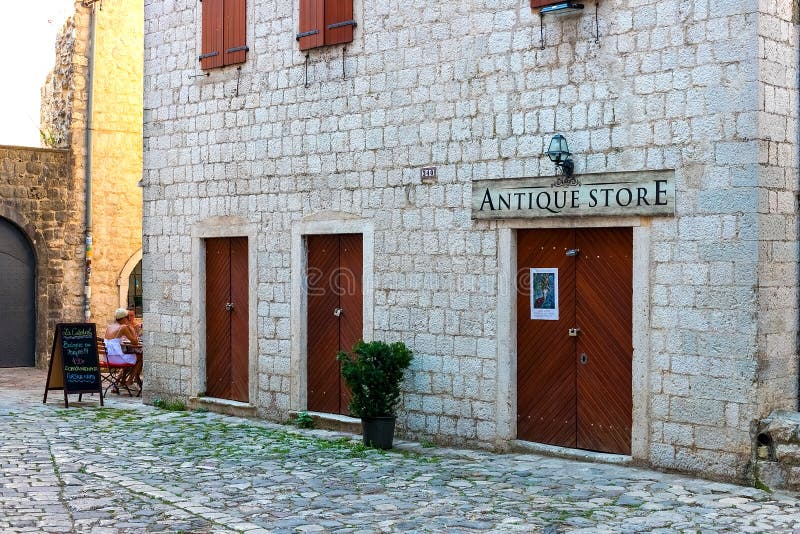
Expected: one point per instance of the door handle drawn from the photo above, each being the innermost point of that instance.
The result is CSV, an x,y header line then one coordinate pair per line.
x,y
229,306
573,332
337,312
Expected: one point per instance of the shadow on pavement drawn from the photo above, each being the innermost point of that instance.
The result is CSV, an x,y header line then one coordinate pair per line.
x,y
27,384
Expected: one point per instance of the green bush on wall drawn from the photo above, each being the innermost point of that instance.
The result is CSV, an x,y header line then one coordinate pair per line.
x,y
374,372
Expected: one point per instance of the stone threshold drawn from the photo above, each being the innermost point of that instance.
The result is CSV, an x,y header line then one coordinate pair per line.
x,y
352,425
223,406
570,454
332,421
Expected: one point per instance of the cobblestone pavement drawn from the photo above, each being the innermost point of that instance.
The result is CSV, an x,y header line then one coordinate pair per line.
x,y
134,468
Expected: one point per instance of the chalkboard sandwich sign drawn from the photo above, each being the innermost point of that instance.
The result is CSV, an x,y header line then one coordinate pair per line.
x,y
74,364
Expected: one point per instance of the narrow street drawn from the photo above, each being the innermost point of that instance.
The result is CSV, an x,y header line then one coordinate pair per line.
x,y
135,468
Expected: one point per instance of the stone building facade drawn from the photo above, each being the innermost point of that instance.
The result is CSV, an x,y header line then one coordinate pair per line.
x,y
43,191
114,56
41,199
290,145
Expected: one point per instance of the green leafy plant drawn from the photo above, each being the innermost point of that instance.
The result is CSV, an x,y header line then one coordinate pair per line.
x,y
49,139
304,420
374,372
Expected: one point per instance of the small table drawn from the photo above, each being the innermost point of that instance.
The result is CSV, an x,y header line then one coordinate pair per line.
x,y
129,348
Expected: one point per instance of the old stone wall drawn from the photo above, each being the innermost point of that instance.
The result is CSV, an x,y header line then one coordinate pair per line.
x,y
116,150
39,194
776,455
470,88
116,133
777,210
58,91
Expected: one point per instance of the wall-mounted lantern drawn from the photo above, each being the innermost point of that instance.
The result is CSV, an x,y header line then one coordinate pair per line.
x,y
559,153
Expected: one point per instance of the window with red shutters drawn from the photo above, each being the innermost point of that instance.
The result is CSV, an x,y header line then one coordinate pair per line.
x,y
224,33
325,22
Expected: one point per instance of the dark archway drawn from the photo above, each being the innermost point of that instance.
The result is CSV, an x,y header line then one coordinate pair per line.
x,y
135,289
17,298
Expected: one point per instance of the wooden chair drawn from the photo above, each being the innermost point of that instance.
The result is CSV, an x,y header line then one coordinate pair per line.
x,y
137,350
111,373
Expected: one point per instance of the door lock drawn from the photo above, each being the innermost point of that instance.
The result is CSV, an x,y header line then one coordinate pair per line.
x,y
584,358
229,306
337,312
573,332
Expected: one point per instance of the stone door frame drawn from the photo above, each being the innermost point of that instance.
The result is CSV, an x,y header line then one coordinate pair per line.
x,y
323,223
222,227
506,401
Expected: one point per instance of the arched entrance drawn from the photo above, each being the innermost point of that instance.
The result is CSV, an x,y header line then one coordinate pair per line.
x,y
130,283
17,298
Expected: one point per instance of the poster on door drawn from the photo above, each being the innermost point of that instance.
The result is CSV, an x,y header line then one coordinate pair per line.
x,y
544,294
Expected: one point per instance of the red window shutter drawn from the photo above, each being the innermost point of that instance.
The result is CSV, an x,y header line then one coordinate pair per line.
x,y
338,21
211,54
545,3
311,33
235,32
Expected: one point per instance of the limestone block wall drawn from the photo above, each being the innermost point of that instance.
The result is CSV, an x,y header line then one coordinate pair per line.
x,y
776,457
116,137
63,106
116,149
777,209
39,194
468,87
715,309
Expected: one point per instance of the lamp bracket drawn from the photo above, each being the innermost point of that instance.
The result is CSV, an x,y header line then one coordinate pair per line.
x,y
566,181
567,166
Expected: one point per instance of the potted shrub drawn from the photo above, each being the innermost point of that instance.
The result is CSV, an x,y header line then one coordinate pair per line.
x,y
374,372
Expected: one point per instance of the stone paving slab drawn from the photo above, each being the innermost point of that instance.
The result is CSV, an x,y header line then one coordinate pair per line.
x,y
134,468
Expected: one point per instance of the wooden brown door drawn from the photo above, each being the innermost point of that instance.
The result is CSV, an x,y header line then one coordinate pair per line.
x,y
227,343
604,293
546,410
574,371
335,315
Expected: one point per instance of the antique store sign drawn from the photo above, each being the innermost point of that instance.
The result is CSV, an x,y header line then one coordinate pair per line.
x,y
586,195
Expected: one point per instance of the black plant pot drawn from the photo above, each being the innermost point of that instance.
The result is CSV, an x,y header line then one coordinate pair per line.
x,y
378,431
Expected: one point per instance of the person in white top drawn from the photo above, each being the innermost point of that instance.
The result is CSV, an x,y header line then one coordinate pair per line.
x,y
116,333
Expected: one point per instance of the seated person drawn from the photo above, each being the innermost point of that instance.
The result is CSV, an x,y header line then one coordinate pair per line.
x,y
133,322
117,333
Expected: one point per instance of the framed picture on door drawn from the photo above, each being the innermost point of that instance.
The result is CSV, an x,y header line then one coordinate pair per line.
x,y
544,294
